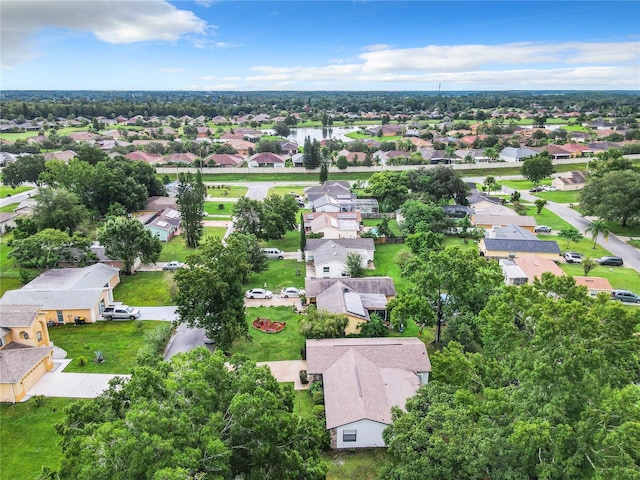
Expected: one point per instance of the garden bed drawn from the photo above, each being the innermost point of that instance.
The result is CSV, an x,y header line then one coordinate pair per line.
x,y
267,326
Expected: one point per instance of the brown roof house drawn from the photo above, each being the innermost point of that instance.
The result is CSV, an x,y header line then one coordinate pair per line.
x,y
357,298
570,181
363,378
25,350
594,285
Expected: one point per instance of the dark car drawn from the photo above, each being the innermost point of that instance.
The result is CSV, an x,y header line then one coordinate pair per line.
x,y
612,261
625,296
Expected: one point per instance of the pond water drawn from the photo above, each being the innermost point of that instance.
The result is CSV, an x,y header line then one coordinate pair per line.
x,y
299,134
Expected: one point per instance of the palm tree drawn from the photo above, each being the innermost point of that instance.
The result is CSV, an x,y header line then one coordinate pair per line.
x,y
489,182
596,228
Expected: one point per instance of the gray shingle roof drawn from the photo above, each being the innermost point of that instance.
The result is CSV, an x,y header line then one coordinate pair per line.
x,y
532,246
18,315
16,362
382,285
313,244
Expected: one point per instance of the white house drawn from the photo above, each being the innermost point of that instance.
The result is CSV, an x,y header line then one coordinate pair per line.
x,y
363,379
335,226
512,154
329,257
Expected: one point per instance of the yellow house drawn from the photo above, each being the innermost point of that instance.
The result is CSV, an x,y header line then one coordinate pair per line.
x,y
67,294
25,350
357,298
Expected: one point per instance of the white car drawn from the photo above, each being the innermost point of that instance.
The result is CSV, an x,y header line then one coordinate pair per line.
x,y
573,257
175,265
259,293
291,292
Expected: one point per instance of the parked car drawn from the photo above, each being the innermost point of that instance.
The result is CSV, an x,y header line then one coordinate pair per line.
x,y
291,292
535,189
542,229
625,296
549,188
613,261
573,257
120,312
273,253
259,293
175,265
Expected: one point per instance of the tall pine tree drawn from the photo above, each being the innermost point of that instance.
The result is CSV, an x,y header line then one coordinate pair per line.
x,y
191,196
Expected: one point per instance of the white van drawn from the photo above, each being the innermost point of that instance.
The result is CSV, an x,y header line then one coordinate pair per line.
x,y
273,253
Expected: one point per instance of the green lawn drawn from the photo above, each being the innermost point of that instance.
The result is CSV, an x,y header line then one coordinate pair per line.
x,y
523,184
13,136
584,246
144,289
214,232
619,277
358,464
119,342
175,249
385,263
303,403
9,208
220,191
8,191
548,218
266,347
631,230
212,208
374,222
28,439
9,283
281,273
290,242
283,190
560,197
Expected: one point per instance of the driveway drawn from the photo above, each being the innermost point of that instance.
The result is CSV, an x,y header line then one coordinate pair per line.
x,y
288,371
184,340
167,314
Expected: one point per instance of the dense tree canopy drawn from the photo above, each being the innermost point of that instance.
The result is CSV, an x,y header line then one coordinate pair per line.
x,y
26,168
553,395
537,168
201,415
210,293
613,196
59,208
269,219
48,248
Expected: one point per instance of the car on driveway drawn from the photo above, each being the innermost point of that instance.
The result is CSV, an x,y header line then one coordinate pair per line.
x,y
611,261
259,293
175,265
573,257
120,312
625,296
292,292
542,229
536,189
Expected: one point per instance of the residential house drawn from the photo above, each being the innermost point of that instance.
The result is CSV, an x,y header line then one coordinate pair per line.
x,y
63,156
496,221
64,294
266,159
365,247
570,181
224,160
345,216
330,260
297,159
363,379
163,224
25,350
288,147
512,232
357,298
334,225
594,285
506,248
185,158
556,152
152,158
512,154
527,268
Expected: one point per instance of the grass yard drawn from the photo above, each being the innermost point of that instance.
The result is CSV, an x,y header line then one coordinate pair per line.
x,y
283,190
214,232
584,246
266,347
290,242
631,230
522,184
175,249
374,222
560,197
119,342
8,191
13,136
232,191
9,283
619,277
212,208
281,274
385,263
28,440
357,463
144,289
9,208
547,217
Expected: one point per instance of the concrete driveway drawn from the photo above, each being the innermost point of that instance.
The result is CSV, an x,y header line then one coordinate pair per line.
x,y
167,314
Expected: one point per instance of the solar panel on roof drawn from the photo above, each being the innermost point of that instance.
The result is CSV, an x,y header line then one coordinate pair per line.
x,y
353,304
162,223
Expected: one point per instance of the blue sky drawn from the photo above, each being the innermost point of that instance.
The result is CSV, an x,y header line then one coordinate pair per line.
x,y
316,45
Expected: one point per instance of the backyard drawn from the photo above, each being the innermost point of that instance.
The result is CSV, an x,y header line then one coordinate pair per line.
x,y
145,289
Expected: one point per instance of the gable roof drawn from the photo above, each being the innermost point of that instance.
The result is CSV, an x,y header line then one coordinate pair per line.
x,y
266,157
18,315
364,377
17,360
329,188
382,285
594,283
533,266
93,276
572,178
513,232
533,246
523,221
313,244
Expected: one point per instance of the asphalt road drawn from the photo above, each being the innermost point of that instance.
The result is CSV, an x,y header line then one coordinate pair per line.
x,y
184,340
17,198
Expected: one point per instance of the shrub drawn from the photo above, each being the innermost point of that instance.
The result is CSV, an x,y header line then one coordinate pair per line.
x,y
318,398
99,357
38,399
221,206
82,361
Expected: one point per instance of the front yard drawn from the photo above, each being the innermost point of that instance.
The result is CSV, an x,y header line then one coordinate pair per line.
x,y
145,289
119,342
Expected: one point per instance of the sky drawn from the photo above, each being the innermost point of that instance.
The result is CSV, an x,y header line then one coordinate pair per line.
x,y
319,45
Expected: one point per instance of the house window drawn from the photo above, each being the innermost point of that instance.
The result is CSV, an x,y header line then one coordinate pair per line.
x,y
39,336
325,269
349,435
25,335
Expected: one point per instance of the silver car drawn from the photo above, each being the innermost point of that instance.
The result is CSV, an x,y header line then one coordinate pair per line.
x,y
292,292
259,293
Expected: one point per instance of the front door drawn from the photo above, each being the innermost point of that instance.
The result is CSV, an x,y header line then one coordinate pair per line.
x,y
60,316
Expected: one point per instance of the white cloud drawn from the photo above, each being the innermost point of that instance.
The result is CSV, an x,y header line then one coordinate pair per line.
x,y
172,70
115,21
518,65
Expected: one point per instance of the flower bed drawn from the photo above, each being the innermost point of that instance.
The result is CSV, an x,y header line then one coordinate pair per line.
x,y
267,326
